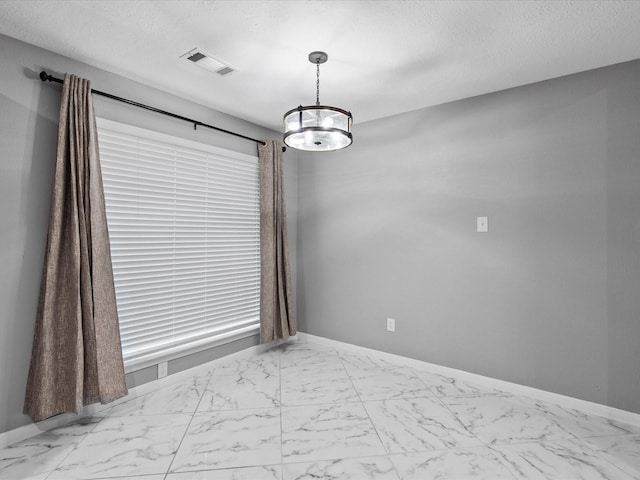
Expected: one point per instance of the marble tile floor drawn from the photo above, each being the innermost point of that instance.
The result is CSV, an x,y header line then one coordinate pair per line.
x,y
306,411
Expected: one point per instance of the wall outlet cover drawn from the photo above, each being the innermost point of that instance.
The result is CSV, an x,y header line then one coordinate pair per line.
x,y
163,369
482,224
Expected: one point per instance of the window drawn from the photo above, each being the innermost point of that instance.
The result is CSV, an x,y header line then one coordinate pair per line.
x,y
184,226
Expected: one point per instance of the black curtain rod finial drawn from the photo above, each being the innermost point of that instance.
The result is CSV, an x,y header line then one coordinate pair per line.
x,y
45,77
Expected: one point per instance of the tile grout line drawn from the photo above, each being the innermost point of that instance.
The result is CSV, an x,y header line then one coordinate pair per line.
x,y
444,405
601,455
184,435
439,401
75,445
388,455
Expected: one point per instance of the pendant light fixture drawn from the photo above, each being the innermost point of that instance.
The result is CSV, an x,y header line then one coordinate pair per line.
x,y
318,128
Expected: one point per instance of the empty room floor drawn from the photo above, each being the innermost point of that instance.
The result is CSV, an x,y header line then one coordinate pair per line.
x,y
310,411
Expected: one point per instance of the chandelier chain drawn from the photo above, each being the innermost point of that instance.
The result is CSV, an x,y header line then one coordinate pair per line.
x,y
318,82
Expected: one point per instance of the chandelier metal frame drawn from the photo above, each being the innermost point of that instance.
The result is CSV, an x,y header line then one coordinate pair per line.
x,y
310,129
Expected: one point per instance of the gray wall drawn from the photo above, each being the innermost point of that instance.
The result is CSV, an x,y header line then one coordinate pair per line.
x,y
28,132
549,298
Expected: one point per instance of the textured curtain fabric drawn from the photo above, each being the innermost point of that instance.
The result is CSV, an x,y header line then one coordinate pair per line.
x,y
76,357
277,320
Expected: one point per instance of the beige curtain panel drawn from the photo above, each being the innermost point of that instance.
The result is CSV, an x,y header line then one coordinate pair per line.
x,y
277,319
76,358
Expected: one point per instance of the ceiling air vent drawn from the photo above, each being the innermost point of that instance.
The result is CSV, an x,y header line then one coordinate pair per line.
x,y
205,60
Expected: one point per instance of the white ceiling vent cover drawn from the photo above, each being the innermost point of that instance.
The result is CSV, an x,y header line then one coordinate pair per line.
x,y
205,60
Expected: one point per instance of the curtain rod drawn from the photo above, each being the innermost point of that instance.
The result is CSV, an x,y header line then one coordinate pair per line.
x,y
44,76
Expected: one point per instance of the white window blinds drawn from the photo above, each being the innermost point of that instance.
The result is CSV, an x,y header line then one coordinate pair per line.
x,y
184,227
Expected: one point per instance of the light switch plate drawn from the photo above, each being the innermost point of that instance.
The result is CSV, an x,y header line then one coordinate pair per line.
x,y
391,325
483,224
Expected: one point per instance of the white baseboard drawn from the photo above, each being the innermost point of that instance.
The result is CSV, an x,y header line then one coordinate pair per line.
x,y
509,387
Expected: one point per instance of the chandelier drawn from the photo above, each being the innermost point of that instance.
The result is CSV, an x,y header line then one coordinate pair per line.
x,y
317,128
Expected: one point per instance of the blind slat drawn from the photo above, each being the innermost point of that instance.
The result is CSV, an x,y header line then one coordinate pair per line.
x,y
184,227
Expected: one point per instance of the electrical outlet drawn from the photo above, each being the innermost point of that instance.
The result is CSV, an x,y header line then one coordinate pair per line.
x,y
482,224
163,369
391,325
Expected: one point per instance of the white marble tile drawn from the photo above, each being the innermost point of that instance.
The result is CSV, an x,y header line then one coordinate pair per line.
x,y
308,356
369,468
230,439
327,366
621,450
125,446
304,344
233,392
323,432
136,477
455,464
265,472
307,388
265,363
389,384
38,476
430,426
42,453
579,423
180,397
446,386
562,460
22,462
497,419
417,424
356,363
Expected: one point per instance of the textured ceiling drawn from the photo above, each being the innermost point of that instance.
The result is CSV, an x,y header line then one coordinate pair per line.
x,y
385,57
